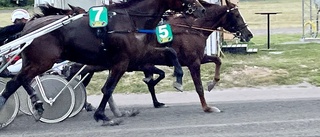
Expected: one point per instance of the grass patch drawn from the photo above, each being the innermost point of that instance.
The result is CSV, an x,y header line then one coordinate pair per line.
x,y
291,13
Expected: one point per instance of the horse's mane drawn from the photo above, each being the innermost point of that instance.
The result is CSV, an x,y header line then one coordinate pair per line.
x,y
125,4
47,9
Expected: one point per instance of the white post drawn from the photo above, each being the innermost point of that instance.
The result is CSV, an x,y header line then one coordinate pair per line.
x,y
214,39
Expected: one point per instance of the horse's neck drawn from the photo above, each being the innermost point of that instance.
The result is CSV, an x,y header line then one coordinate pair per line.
x,y
214,17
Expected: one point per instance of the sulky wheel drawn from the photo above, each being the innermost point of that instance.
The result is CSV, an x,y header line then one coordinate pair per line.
x,y
80,95
57,104
23,99
10,109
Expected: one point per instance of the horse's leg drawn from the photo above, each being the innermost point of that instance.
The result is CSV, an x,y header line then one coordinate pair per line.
x,y
148,72
90,71
112,104
114,108
24,78
178,72
86,82
218,63
196,77
74,68
115,74
116,112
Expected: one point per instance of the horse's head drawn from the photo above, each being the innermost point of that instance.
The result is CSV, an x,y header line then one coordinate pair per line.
x,y
188,6
235,23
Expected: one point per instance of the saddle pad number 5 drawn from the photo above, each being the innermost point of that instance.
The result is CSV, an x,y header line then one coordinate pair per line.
x,y
164,33
98,17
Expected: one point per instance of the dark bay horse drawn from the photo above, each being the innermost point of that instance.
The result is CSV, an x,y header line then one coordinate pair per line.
x,y
12,32
189,42
120,50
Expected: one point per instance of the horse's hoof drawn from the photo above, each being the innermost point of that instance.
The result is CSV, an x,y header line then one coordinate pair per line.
x,y
2,101
173,74
215,109
159,105
100,116
36,116
38,110
130,113
211,85
178,86
210,110
88,107
112,122
147,80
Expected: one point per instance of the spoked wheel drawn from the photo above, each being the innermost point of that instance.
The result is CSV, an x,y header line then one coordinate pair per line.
x,y
23,99
58,104
80,94
10,109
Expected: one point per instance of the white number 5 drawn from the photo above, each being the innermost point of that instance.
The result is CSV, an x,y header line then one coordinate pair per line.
x,y
163,32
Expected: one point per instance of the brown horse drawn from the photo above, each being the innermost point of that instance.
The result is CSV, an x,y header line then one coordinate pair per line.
x,y
120,50
189,42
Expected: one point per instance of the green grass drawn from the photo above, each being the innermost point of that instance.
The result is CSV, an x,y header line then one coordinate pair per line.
x,y
291,13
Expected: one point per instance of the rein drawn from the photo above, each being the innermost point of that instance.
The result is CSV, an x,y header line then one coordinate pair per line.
x,y
199,28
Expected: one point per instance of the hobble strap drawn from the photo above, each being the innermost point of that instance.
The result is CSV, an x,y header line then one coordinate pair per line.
x,y
101,34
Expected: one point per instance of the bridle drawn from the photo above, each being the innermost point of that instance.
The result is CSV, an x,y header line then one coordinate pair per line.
x,y
237,29
191,7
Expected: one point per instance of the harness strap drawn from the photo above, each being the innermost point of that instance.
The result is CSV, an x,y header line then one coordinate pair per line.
x,y
199,28
101,34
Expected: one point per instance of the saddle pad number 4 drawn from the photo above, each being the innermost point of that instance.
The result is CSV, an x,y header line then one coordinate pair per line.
x,y
164,33
98,17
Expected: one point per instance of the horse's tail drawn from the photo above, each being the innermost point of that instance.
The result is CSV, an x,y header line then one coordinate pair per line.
x,y
9,31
